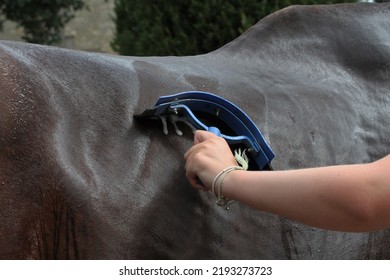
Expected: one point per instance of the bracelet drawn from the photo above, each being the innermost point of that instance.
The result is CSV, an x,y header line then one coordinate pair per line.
x,y
216,187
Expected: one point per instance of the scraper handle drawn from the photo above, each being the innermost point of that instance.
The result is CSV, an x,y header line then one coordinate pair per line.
x,y
214,130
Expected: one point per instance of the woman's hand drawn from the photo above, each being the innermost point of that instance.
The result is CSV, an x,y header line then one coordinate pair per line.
x,y
206,158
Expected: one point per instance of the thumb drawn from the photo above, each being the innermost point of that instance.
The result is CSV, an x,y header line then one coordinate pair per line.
x,y
201,136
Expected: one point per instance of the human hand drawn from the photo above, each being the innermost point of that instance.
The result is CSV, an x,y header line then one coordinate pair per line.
x,y
206,158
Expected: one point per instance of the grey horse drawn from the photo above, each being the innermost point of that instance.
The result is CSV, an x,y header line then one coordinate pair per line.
x,y
80,179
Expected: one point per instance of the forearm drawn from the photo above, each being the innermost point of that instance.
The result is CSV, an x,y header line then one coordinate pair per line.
x,y
338,197
347,198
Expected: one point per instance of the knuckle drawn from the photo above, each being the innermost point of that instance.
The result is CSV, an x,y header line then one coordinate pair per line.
x,y
198,157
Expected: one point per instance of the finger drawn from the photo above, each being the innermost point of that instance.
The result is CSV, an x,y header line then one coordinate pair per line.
x,y
193,150
190,151
195,182
192,176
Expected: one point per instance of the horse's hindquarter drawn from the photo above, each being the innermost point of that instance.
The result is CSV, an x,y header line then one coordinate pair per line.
x,y
80,179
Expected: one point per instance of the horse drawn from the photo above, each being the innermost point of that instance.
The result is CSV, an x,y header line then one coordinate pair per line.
x,y
80,179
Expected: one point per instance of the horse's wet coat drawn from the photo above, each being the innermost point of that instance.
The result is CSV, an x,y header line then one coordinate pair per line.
x,y
80,179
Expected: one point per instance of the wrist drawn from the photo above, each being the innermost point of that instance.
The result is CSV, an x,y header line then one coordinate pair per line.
x,y
231,184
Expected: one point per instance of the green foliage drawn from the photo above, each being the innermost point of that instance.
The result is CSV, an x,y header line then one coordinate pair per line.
x,y
42,20
187,27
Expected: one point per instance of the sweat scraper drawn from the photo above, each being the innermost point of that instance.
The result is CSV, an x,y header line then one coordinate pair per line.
x,y
210,112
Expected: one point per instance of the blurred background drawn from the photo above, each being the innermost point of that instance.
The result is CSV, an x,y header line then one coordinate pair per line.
x,y
136,27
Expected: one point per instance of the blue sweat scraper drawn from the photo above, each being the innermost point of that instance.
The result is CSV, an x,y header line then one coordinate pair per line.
x,y
207,111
